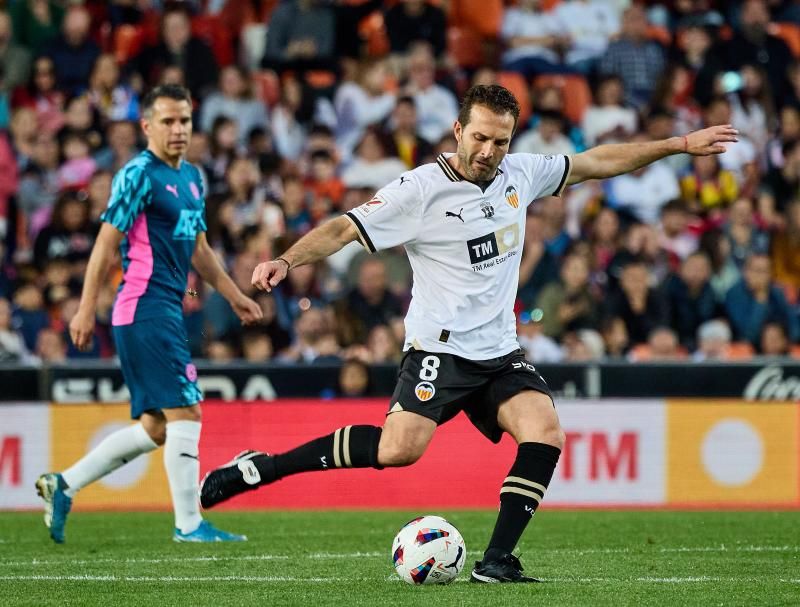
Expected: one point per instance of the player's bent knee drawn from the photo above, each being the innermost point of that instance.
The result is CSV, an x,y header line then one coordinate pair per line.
x,y
394,456
157,432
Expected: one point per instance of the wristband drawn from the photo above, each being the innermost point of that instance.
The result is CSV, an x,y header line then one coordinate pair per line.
x,y
288,265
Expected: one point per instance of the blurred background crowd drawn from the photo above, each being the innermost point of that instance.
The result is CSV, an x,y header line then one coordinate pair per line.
x,y
304,108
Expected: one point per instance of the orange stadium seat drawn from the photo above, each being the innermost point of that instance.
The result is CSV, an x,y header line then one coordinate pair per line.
x,y
739,350
517,84
128,40
482,16
465,45
575,90
373,30
789,33
212,30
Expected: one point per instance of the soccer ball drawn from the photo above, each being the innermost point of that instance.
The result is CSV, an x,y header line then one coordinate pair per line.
x,y
428,550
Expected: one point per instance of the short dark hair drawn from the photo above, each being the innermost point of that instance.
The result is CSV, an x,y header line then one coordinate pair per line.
x,y
170,91
492,96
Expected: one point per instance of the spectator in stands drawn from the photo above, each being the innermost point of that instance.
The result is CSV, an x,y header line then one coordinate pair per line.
x,y
78,166
781,185
662,345
755,301
12,346
221,350
51,347
315,340
752,107
774,341
709,188
639,305
752,44
293,116
410,21
219,319
785,253
713,340
270,323
554,224
603,240
302,36
23,129
70,233
256,345
634,58
222,149
412,149
8,180
590,24
383,347
80,120
690,297
743,233
73,52
375,163
615,337
362,102
538,347
42,96
673,93
539,266
583,345
111,98
371,301
36,22
643,192
234,99
178,48
98,192
607,120
122,146
38,184
788,132
353,379
322,180
639,242
15,60
533,38
437,107
568,305
551,98
546,138
675,236
29,313
724,271
740,157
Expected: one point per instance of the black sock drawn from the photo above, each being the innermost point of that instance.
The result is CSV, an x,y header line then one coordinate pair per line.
x,y
520,495
348,447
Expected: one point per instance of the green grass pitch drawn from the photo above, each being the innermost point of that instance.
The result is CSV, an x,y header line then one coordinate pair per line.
x,y
322,559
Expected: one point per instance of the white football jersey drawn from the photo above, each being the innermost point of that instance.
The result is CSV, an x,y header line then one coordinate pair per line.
x,y
464,245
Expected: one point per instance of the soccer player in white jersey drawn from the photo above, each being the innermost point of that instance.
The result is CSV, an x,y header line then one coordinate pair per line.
x,y
461,221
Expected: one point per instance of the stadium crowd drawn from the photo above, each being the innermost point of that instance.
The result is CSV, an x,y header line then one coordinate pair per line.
x,y
304,108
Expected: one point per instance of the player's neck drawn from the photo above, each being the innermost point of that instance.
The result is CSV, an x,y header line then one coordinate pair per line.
x,y
456,166
174,162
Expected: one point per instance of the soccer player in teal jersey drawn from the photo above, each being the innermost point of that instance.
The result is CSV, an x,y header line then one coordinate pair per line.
x,y
156,217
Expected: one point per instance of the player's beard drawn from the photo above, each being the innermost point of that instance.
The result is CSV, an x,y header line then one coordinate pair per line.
x,y
471,173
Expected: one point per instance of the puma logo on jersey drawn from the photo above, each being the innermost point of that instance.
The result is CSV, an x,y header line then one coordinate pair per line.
x,y
403,179
450,214
173,189
250,473
189,223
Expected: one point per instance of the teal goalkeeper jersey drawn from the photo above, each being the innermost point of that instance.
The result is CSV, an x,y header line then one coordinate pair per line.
x,y
160,210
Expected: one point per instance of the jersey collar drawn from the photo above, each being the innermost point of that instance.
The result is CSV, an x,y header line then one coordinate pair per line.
x,y
451,173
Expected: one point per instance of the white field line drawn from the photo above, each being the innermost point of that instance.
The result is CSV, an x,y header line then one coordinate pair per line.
x,y
350,555
268,578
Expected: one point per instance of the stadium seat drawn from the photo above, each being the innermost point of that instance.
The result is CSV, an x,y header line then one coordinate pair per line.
x,y
739,350
794,352
128,40
266,86
483,16
212,30
575,90
789,33
465,46
517,84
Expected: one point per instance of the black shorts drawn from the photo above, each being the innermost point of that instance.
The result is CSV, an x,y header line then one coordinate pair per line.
x,y
438,386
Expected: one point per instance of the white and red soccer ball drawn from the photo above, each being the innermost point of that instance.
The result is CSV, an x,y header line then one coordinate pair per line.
x,y
428,550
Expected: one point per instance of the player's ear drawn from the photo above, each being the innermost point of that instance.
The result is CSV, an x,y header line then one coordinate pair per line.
x,y
457,130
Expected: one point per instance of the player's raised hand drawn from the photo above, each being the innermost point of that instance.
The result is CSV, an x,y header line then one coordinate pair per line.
x,y
711,140
81,328
247,310
269,273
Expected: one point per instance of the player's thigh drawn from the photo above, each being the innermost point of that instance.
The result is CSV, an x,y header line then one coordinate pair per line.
x,y
155,424
530,417
404,438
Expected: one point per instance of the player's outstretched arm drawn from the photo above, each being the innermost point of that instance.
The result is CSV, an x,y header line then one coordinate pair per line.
x,y
81,326
205,261
615,159
317,244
